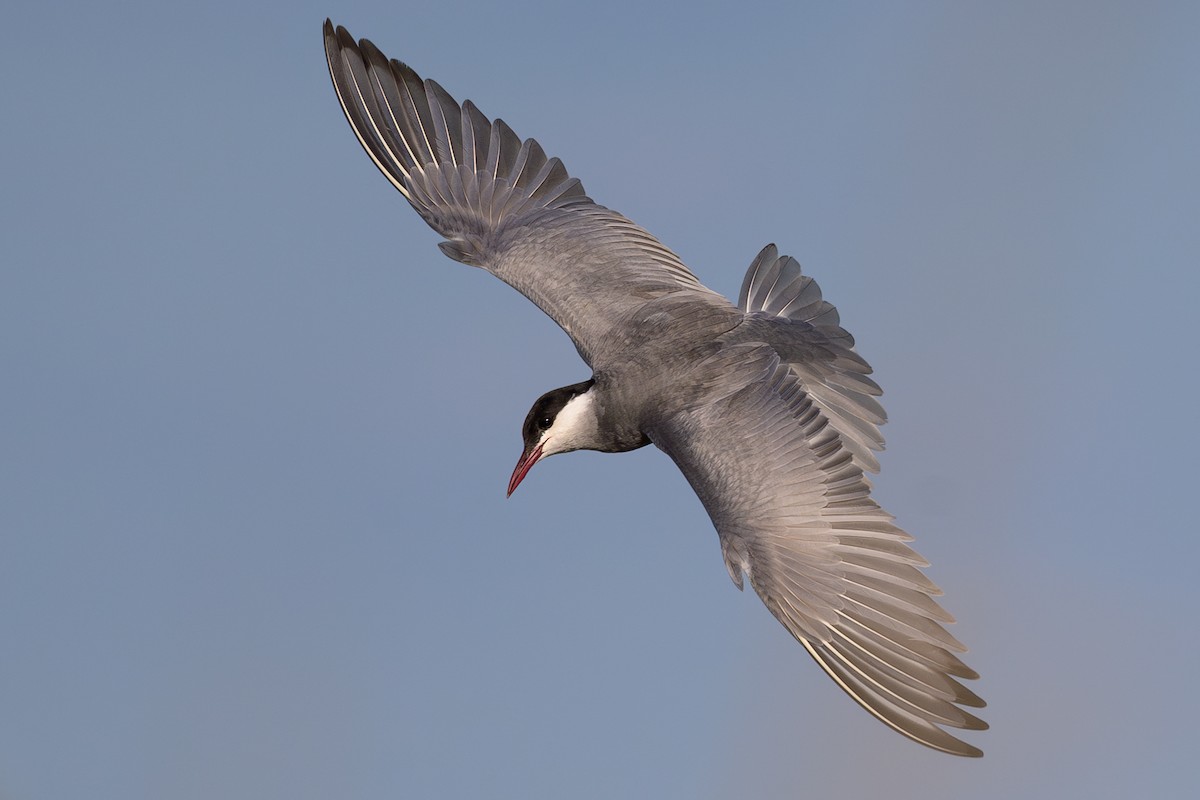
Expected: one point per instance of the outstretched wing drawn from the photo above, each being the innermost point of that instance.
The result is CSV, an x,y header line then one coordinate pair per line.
x,y
794,514
499,201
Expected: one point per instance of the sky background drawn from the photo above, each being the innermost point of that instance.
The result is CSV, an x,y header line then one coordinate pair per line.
x,y
255,430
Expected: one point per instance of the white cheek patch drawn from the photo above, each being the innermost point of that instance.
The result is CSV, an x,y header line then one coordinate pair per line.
x,y
573,428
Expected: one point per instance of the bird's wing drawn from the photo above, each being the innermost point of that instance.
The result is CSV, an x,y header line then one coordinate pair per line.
x,y
794,514
499,201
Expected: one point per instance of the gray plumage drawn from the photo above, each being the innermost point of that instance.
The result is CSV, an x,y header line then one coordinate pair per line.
x,y
765,407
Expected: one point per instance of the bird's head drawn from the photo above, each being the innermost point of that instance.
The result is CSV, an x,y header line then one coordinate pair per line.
x,y
560,421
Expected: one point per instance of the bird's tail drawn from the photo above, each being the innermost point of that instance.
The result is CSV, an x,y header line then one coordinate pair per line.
x,y
806,331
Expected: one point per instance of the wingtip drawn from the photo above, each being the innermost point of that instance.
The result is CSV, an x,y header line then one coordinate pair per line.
x,y
335,33
329,35
337,39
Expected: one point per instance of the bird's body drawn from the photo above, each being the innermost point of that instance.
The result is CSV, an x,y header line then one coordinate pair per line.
x,y
765,406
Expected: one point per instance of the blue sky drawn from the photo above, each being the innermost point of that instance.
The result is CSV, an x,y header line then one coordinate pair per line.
x,y
256,429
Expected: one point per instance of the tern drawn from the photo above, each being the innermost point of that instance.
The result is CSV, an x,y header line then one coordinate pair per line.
x,y
765,406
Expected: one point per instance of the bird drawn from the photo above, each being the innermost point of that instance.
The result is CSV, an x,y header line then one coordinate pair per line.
x,y
765,406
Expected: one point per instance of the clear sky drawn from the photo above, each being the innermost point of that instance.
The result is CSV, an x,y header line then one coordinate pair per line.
x,y
255,429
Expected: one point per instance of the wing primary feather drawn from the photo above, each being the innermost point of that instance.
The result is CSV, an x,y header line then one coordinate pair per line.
x,y
903,692
447,124
349,76
478,131
382,79
915,728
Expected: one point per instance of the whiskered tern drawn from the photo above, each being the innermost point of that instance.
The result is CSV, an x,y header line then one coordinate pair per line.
x,y
765,406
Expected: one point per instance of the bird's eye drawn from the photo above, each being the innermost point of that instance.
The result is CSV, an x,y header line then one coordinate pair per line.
x,y
544,423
